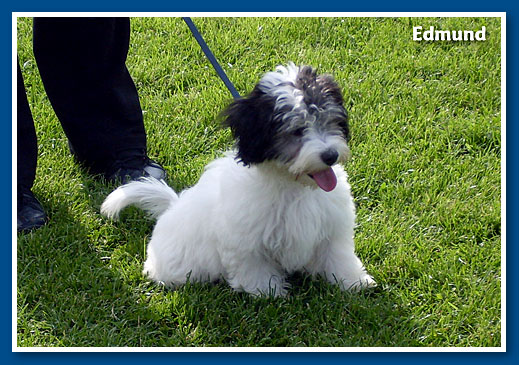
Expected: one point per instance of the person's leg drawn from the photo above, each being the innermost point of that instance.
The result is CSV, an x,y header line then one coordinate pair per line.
x,y
30,212
82,65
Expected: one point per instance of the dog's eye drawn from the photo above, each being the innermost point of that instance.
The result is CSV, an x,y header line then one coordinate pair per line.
x,y
298,132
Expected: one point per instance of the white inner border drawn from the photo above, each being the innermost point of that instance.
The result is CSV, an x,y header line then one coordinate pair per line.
x,y
501,15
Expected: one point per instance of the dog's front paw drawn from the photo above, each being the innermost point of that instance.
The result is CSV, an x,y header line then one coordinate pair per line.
x,y
366,281
275,286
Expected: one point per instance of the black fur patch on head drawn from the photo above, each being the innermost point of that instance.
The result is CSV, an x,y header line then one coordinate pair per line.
x,y
252,125
323,91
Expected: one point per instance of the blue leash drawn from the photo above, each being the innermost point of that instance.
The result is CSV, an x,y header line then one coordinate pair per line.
x,y
211,58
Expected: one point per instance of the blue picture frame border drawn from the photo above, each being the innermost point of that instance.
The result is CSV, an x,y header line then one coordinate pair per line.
x,y
434,356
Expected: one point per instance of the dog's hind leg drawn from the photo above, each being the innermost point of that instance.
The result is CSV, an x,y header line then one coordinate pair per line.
x,y
178,249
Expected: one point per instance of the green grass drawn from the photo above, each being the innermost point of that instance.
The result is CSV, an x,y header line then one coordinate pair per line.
x,y
426,143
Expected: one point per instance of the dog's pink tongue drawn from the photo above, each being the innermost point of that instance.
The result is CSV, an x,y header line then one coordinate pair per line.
x,y
326,179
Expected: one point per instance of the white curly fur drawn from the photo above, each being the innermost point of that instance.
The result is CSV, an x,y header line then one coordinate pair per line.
x,y
254,225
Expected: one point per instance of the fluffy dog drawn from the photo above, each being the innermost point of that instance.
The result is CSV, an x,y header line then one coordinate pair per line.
x,y
279,203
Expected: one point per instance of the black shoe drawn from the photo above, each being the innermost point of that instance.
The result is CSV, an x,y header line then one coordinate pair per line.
x,y
132,165
30,212
124,174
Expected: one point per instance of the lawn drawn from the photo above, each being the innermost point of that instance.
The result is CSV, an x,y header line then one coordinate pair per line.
x,y
426,176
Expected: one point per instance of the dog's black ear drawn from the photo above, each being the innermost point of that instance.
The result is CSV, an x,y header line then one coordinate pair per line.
x,y
252,125
329,90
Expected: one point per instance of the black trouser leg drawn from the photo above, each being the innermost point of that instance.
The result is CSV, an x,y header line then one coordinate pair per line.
x,y
27,149
30,212
82,65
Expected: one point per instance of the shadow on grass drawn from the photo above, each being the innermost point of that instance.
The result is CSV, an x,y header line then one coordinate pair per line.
x,y
80,284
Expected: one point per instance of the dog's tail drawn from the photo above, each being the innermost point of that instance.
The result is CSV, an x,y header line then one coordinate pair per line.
x,y
149,194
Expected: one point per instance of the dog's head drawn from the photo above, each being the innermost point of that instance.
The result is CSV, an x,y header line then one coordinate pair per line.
x,y
295,118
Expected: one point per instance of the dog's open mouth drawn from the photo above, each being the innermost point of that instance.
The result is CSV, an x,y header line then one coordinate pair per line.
x,y
325,179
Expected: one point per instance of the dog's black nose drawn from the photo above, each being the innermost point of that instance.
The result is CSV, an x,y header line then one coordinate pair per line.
x,y
329,156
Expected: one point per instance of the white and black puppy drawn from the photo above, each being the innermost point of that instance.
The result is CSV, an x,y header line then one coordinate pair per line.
x,y
278,204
